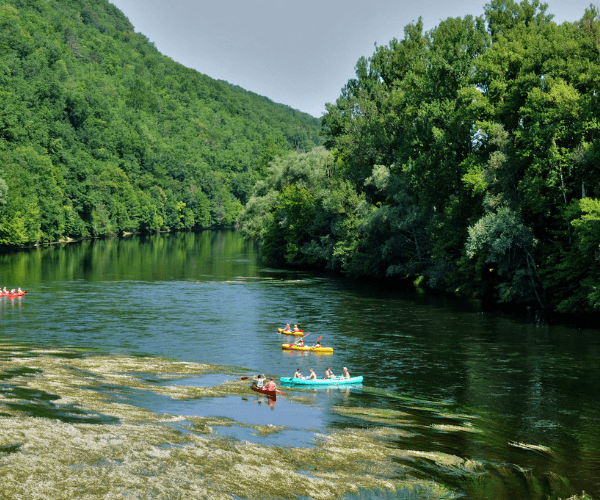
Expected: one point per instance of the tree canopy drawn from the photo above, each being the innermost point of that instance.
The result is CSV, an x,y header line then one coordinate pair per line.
x,y
464,158
101,134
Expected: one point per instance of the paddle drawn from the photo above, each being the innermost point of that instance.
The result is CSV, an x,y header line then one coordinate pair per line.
x,y
301,339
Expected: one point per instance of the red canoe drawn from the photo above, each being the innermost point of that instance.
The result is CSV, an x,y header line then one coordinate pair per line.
x,y
13,294
270,394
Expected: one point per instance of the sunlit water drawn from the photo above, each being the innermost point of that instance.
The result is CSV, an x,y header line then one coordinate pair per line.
x,y
479,405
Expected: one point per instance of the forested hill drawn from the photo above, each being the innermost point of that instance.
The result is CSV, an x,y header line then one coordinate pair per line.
x,y
465,158
100,133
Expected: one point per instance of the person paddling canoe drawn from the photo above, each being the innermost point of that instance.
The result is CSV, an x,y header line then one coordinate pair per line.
x,y
346,373
298,374
258,381
329,373
271,386
313,375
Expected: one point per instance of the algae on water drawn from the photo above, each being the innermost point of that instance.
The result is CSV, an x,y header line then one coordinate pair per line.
x,y
66,431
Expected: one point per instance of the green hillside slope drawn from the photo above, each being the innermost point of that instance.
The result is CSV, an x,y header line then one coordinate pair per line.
x,y
100,133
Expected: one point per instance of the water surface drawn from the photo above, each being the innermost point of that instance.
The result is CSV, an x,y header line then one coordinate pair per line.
x,y
519,401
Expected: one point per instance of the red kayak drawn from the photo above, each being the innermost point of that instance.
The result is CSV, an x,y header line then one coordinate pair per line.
x,y
270,394
13,294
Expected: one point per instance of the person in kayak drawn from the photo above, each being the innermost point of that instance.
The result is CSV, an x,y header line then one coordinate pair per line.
x,y
298,374
299,343
329,373
271,386
296,329
288,328
346,373
258,381
313,375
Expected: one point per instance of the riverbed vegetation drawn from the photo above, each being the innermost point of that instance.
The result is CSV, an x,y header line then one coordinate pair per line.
x,y
464,159
84,424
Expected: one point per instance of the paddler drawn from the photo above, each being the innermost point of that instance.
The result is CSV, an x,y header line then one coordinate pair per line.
x,y
271,386
288,328
299,342
329,373
313,375
258,381
298,374
346,373
296,329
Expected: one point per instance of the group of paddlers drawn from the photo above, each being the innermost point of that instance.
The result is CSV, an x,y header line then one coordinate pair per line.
x,y
5,291
328,374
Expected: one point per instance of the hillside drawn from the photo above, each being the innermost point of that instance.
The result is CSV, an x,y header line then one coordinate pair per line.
x,y
100,133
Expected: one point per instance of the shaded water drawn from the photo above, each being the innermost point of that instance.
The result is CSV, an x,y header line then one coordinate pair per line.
x,y
456,402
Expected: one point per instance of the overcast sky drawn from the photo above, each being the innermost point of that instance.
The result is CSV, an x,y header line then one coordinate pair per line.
x,y
300,53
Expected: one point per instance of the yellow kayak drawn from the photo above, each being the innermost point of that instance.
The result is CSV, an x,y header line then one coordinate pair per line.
x,y
291,332
321,349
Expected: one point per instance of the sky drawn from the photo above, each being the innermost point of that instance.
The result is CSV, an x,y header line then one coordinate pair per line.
x,y
300,53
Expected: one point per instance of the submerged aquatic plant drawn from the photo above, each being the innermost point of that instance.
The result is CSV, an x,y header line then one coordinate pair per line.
x,y
68,429
532,447
73,425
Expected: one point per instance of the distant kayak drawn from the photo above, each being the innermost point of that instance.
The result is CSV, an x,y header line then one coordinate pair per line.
x,y
13,294
321,349
299,333
321,381
266,392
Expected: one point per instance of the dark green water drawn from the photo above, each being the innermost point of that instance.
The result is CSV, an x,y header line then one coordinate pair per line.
x,y
531,391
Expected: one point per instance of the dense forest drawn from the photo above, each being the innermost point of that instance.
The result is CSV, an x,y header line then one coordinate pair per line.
x,y
101,134
465,159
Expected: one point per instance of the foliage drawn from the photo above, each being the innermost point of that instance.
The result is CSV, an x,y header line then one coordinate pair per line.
x,y
465,158
507,244
101,134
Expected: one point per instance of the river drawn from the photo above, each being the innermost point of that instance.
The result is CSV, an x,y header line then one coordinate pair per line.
x,y
120,374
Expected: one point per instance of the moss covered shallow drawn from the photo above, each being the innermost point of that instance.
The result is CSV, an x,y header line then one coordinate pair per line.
x,y
68,429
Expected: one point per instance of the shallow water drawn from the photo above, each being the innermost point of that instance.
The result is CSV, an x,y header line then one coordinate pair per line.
x,y
157,331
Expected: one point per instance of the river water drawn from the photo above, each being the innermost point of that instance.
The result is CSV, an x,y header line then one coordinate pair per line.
x,y
115,335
